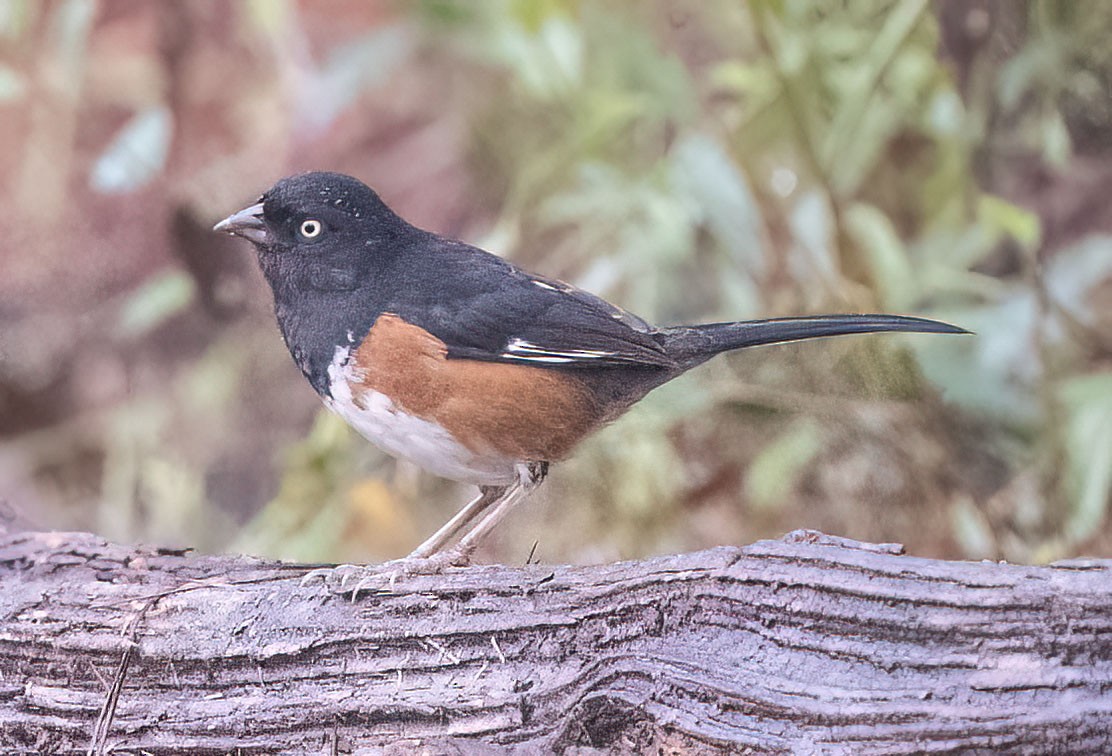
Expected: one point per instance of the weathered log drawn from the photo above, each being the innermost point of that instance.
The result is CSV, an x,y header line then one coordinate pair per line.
x,y
808,644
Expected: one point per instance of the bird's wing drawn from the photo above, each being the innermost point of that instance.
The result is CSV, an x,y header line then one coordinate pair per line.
x,y
484,308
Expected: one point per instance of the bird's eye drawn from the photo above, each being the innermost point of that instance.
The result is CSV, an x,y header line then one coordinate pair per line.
x,y
310,228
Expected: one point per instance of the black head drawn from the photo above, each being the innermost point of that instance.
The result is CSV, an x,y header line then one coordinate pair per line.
x,y
315,215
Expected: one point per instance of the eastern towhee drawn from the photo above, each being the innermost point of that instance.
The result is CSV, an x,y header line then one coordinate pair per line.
x,y
459,361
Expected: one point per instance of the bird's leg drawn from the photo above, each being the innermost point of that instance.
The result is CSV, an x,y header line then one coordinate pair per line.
x,y
533,474
466,546
488,495
475,521
431,557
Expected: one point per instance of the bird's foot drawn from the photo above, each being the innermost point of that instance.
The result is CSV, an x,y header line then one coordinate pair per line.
x,y
356,579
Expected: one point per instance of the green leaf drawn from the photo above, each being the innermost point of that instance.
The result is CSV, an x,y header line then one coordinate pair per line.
x,y
1018,223
13,85
972,530
136,155
1056,143
1074,274
271,17
776,469
16,16
846,127
875,235
703,171
990,373
1088,446
351,70
156,301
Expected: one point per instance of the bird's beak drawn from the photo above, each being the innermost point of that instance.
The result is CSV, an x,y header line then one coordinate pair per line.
x,y
247,223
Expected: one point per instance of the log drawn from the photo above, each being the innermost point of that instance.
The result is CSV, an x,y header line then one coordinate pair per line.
x,y
807,644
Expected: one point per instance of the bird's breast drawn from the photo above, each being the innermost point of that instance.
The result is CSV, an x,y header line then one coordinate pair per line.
x,y
425,443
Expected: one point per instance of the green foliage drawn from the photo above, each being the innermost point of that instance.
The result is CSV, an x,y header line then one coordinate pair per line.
x,y
699,161
1087,401
154,303
775,470
306,519
834,120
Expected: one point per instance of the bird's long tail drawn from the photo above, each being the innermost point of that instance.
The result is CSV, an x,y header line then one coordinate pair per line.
x,y
690,345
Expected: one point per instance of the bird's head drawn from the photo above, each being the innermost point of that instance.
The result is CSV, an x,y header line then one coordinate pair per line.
x,y
318,232
322,215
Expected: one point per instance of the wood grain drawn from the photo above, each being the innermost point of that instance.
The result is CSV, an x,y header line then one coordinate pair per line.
x,y
809,644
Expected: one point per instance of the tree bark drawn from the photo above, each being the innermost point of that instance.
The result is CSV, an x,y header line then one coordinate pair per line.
x,y
807,644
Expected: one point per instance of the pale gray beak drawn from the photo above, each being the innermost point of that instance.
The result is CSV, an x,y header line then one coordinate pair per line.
x,y
247,223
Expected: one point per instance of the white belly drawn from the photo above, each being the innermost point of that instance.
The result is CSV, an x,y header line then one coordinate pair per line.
x,y
419,441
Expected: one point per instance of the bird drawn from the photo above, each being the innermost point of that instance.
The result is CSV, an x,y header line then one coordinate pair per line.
x,y
461,362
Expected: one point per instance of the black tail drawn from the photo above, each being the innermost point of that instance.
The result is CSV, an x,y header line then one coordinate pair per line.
x,y
690,345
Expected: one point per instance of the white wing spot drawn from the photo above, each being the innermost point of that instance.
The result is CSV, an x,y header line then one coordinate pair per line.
x,y
519,345
524,350
542,358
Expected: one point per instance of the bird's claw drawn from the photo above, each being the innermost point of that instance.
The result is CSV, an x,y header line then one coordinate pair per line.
x,y
355,579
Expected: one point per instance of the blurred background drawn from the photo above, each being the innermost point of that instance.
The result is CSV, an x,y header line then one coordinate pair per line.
x,y
691,160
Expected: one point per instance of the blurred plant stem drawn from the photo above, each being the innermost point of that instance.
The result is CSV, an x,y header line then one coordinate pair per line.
x,y
59,78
